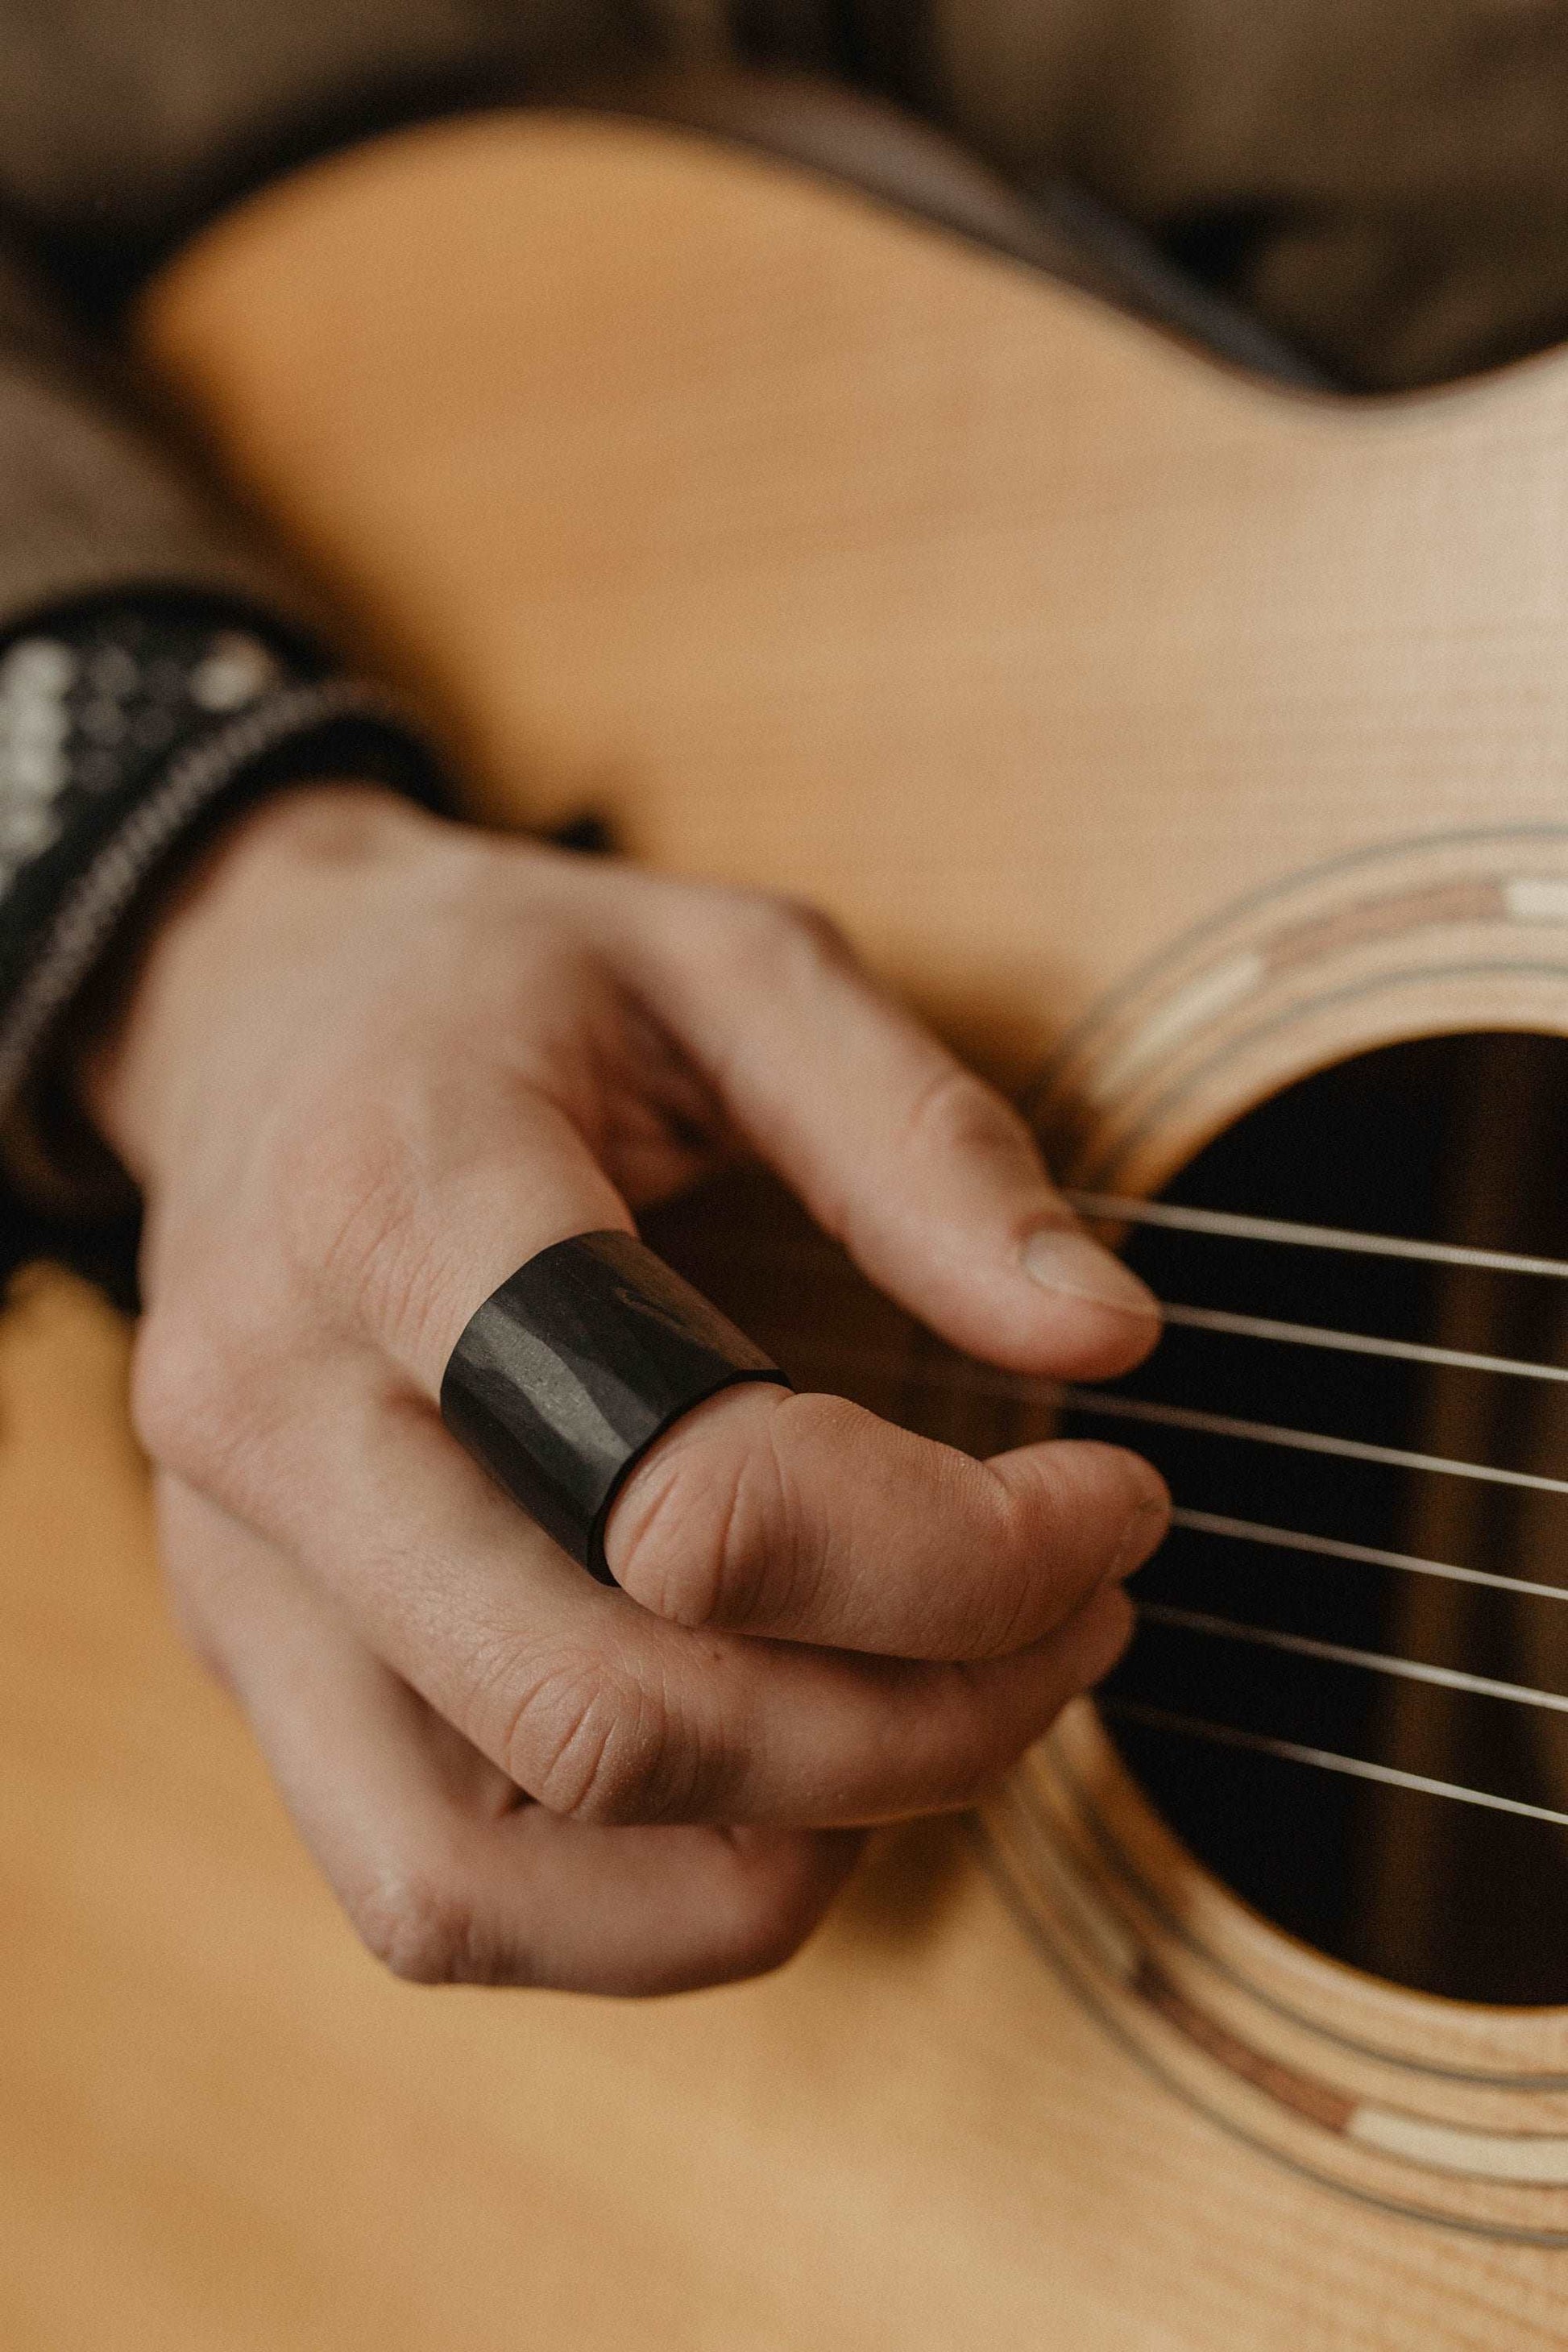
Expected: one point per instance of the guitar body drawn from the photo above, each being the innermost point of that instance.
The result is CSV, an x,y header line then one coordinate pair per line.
x,y
1168,739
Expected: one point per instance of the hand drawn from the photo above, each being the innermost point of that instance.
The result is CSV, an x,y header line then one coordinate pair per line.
x,y
370,1064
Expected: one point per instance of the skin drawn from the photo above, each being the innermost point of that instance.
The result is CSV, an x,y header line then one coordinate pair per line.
x,y
368,1064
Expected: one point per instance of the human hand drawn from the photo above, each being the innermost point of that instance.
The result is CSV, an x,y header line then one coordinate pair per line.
x,y
369,1065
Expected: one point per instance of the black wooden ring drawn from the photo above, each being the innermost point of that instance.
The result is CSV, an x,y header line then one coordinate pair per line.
x,y
569,1373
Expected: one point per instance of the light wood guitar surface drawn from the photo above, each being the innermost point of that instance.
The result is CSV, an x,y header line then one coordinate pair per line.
x,y
868,636
222,2126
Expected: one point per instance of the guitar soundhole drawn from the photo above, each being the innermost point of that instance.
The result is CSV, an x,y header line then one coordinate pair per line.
x,y
1368,1749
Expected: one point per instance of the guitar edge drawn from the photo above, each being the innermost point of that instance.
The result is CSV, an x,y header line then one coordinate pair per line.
x,y
704,525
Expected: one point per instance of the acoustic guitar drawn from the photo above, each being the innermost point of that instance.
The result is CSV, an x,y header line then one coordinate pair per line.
x,y
1194,754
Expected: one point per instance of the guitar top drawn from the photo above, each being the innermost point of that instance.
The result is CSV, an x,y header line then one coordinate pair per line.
x,y
1192,753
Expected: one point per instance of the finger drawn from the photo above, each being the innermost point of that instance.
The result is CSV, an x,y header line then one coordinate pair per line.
x,y
806,1518
477,1201
446,1874
607,1713
800,1518
926,1174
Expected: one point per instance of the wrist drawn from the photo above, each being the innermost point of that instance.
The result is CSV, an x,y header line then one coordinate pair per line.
x,y
231,923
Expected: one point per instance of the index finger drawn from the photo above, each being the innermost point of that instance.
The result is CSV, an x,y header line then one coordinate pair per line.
x,y
931,1181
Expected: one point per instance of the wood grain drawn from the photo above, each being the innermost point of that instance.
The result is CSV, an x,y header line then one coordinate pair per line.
x,y
221,2125
814,546
814,549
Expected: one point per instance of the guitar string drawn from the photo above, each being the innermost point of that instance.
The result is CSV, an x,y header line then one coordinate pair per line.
x,y
1213,1626
1225,1224
1340,1653
963,1380
1353,1343
1151,1413
1219,1523
1258,1531
1021,1388
1327,1759
1410,1669
1229,1226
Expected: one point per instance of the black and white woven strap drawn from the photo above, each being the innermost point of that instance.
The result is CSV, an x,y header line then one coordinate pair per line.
x,y
206,774
127,728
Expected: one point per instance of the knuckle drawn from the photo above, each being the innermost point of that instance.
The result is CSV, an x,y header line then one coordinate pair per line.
x,y
419,1923
976,1761
955,1111
786,939
216,1376
347,1203
1072,1505
708,1537
764,1929
195,1383
657,1554
1053,1532
360,1245
168,1386
983,1726
1011,1606
595,1743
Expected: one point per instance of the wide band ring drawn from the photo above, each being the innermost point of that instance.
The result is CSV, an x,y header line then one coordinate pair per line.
x,y
571,1369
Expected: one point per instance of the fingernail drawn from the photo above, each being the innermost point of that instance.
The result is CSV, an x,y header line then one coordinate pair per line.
x,y
1145,1533
1071,1265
